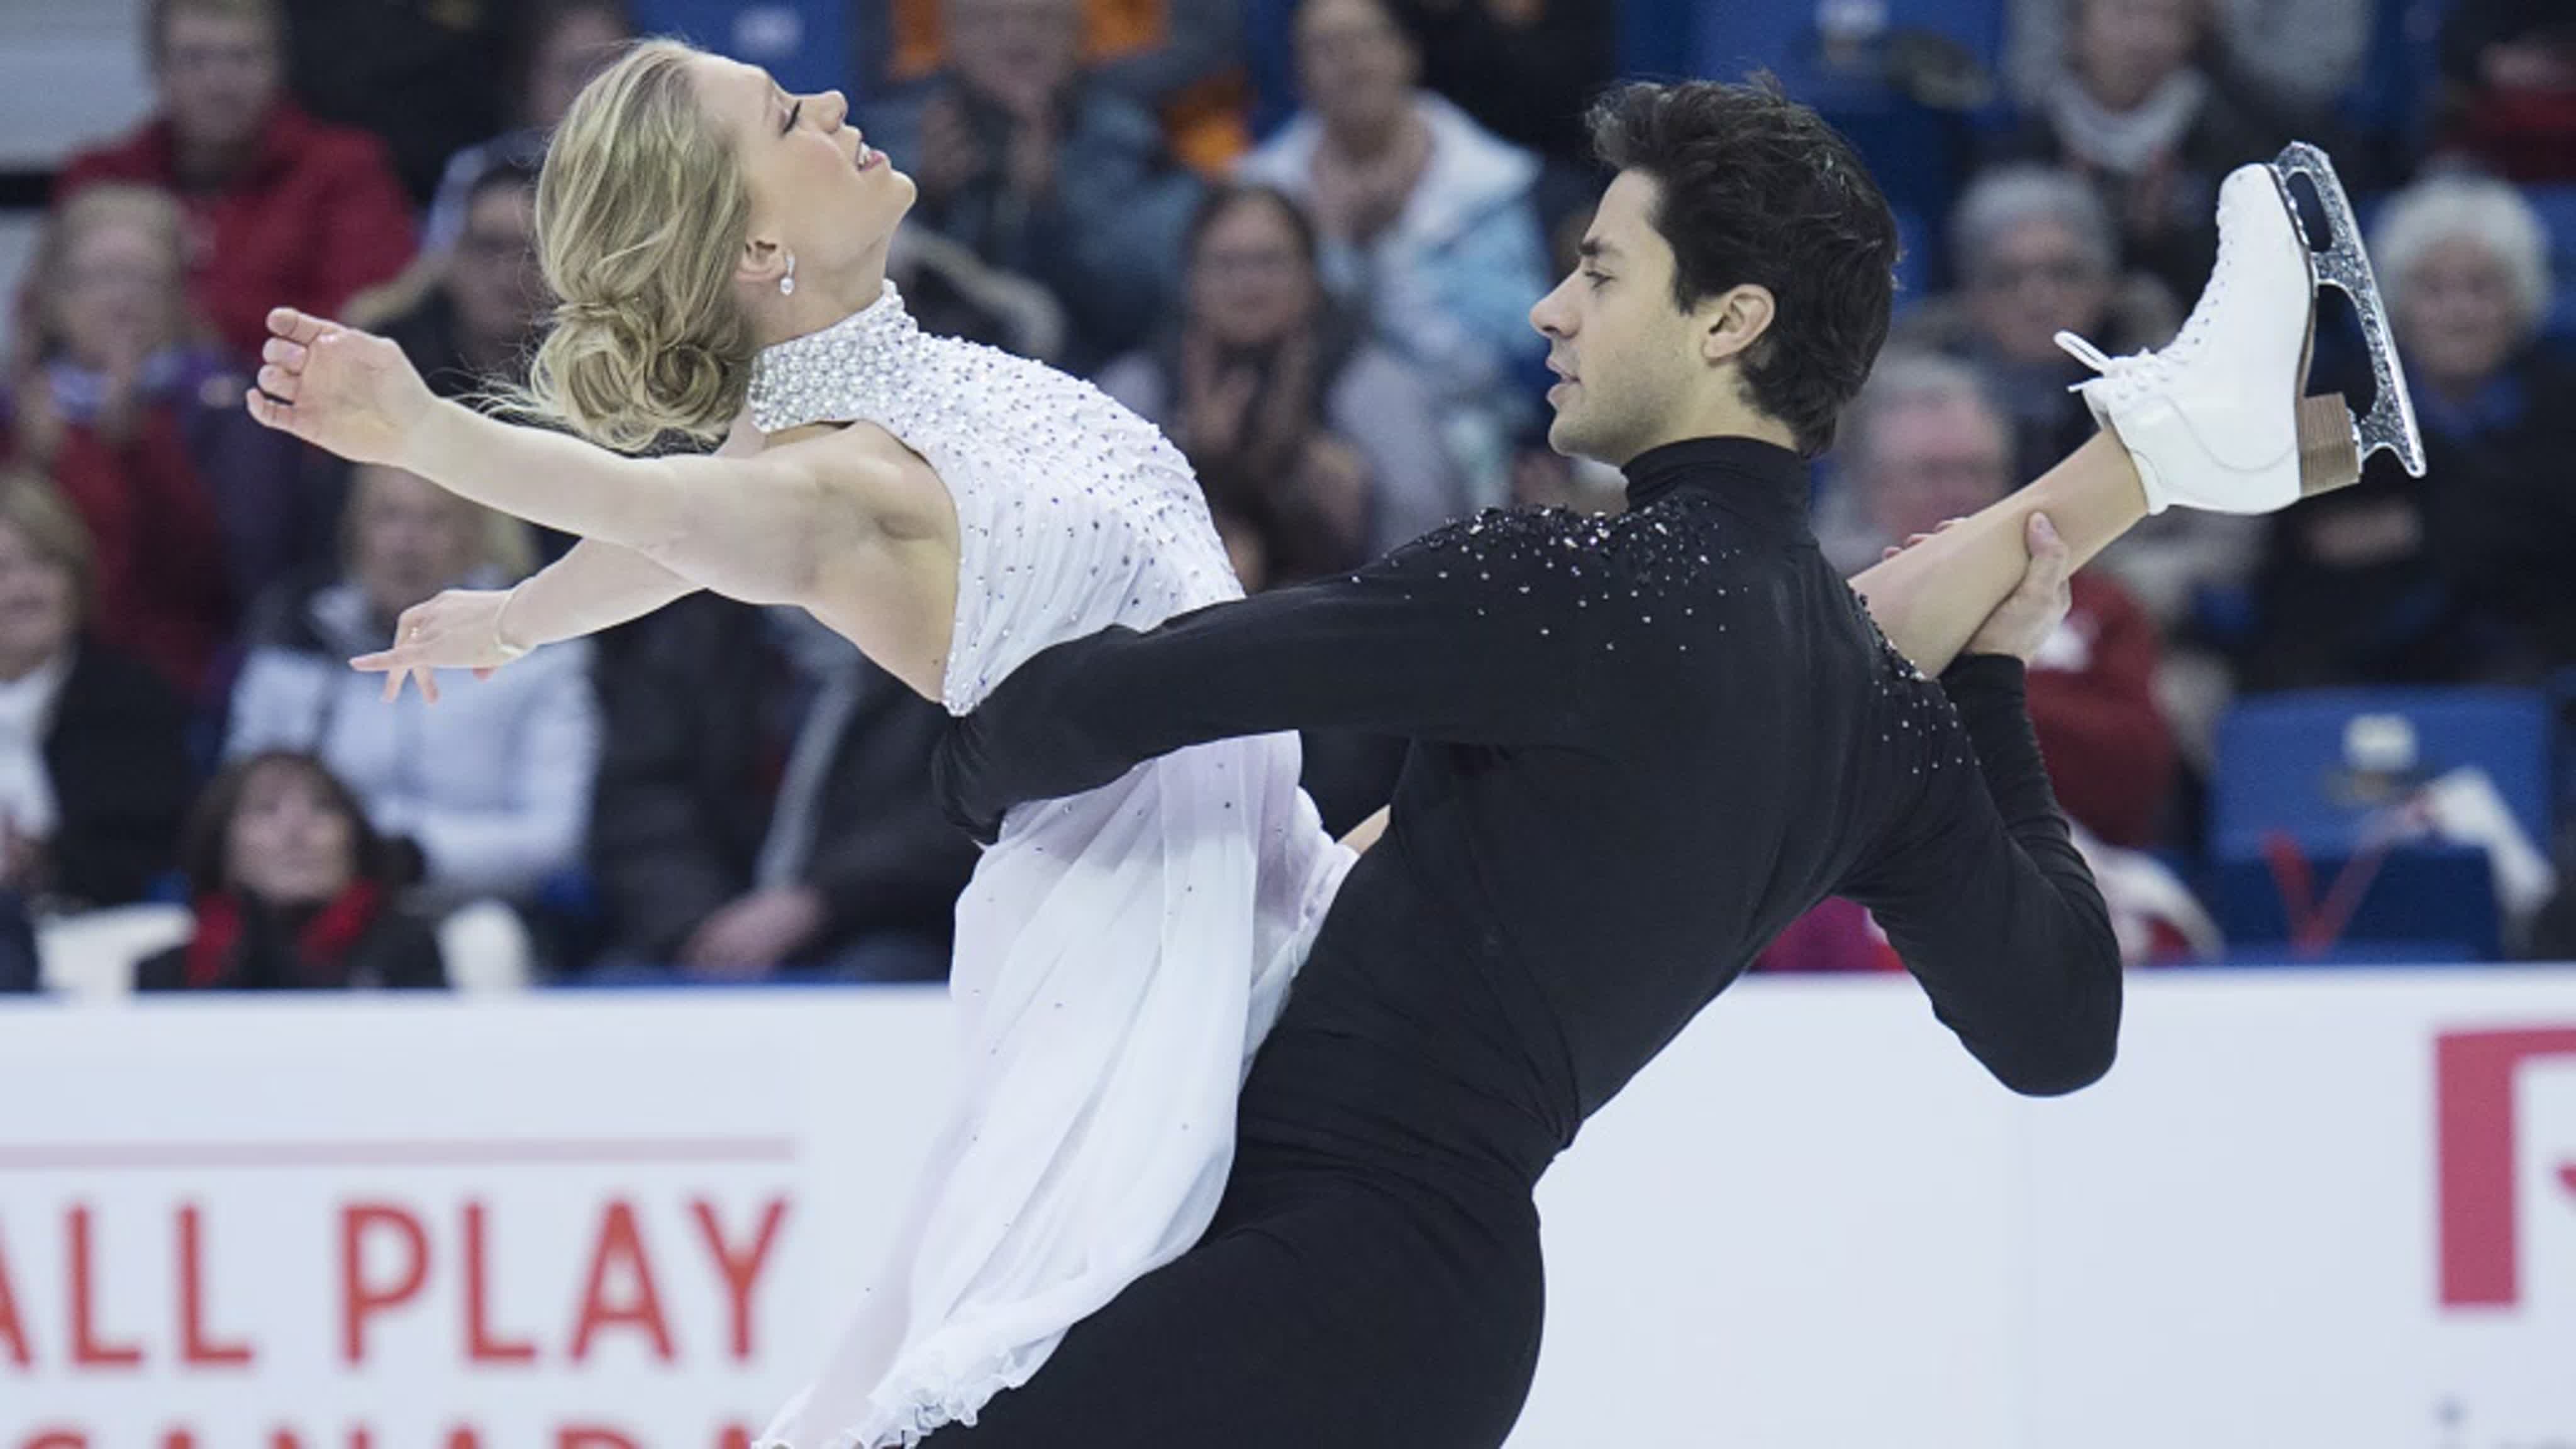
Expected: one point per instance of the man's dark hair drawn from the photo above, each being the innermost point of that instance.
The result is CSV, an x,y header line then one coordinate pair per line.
x,y
1758,189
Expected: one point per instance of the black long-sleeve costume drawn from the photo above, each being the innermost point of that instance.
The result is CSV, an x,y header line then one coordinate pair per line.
x,y
1643,746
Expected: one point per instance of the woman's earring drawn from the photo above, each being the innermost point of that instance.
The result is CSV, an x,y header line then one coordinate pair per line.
x,y
787,284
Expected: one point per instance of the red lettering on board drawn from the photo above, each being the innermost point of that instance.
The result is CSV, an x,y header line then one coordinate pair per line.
x,y
360,1299
88,1349
741,1270
197,1345
621,1248
13,1331
482,1344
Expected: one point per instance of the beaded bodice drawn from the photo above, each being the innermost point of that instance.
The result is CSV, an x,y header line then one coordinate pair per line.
x,y
1073,513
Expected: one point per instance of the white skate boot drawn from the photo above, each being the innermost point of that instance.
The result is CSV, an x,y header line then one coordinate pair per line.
x,y
2216,420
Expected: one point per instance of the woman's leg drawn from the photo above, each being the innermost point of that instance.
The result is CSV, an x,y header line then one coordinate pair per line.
x,y
1930,599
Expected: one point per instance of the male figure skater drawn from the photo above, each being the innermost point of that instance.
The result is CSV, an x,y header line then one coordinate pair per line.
x,y
1642,746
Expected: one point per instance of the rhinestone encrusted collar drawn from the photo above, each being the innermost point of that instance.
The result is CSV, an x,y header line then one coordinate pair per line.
x,y
817,378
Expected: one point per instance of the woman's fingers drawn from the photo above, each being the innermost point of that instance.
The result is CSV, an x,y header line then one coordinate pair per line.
x,y
280,384
400,674
283,353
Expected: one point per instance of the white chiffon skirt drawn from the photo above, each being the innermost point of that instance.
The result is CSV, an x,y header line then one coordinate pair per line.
x,y
1119,956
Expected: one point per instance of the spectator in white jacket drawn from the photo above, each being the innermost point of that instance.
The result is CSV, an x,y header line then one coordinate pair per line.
x,y
1428,222
491,786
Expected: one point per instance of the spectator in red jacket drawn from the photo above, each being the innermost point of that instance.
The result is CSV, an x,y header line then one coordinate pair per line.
x,y
282,210
140,425
1924,443
293,891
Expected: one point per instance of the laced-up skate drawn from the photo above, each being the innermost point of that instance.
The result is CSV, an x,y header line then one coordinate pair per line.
x,y
2217,419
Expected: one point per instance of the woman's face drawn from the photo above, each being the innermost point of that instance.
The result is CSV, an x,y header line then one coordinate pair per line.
x,y
117,301
37,613
411,539
1355,63
2035,281
288,844
2124,49
2455,313
581,45
1251,283
816,185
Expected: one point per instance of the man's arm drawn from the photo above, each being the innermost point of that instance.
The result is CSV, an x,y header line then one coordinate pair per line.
x,y
1992,909
1470,636
1980,886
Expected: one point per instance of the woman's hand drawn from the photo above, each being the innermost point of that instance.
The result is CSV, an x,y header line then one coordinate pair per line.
x,y
460,629
339,389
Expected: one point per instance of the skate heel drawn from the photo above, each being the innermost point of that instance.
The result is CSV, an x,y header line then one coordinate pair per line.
x,y
2329,445
2390,424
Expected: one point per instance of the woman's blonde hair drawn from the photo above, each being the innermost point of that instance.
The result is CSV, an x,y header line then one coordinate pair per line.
x,y
642,211
109,203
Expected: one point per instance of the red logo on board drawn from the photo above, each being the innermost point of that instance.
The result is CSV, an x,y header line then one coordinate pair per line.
x,y
2475,1074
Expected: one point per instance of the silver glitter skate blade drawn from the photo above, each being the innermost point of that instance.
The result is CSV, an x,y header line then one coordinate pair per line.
x,y
2390,423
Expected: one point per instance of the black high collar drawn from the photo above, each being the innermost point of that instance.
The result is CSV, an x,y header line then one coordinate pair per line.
x,y
1763,484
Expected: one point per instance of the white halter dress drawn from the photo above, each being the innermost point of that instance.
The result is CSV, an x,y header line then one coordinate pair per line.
x,y
1119,954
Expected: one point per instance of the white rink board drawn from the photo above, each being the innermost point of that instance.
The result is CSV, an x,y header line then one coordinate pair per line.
x,y
1814,1224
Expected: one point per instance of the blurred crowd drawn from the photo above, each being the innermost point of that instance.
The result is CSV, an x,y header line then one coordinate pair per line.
x,y
1303,239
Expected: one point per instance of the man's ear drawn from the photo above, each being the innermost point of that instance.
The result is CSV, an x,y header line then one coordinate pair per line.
x,y
1733,320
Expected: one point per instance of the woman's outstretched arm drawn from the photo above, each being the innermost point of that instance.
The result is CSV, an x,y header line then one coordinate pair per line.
x,y
595,587
756,529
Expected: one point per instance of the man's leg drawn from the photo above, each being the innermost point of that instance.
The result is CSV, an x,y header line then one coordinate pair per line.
x,y
1930,599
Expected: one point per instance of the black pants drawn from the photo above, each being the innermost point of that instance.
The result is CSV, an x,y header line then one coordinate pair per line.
x,y
1331,1304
